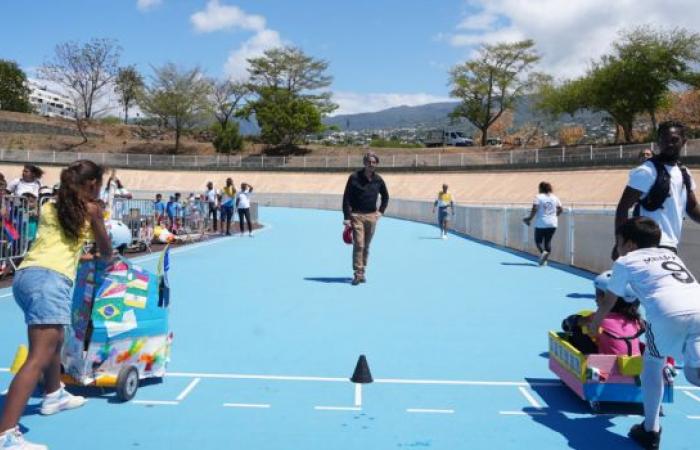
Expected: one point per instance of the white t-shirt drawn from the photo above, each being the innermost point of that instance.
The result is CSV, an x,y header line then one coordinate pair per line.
x,y
670,216
661,281
211,195
546,216
19,186
244,199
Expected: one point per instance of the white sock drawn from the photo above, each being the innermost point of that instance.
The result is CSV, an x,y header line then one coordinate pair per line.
x,y
652,390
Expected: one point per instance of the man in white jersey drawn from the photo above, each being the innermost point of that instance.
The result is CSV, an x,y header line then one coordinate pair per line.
x,y
663,197
670,295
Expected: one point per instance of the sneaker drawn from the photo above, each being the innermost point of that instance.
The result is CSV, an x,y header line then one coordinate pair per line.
x,y
649,440
543,258
13,440
250,235
444,235
60,401
363,279
356,280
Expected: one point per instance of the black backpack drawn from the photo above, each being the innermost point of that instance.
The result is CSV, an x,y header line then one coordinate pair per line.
x,y
661,188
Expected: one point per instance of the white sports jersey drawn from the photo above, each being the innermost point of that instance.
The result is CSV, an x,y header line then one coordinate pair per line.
x,y
546,216
244,199
670,216
661,281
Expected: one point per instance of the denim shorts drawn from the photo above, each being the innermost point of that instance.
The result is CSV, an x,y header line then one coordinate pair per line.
x,y
43,295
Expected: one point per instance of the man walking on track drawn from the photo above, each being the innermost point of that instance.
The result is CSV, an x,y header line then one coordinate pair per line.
x,y
361,212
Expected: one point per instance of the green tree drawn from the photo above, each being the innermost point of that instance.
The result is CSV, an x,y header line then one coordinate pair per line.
x,y
492,82
227,139
284,118
178,96
657,59
14,94
84,70
290,69
128,85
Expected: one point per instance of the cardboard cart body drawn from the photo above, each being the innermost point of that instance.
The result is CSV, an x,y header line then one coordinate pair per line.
x,y
600,378
119,333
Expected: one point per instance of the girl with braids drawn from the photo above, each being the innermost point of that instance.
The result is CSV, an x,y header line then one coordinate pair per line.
x,y
42,289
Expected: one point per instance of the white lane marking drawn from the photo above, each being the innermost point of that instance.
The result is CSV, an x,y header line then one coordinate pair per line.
x,y
533,402
247,405
691,395
693,417
155,402
337,408
188,389
358,394
522,413
9,294
237,376
430,411
4,392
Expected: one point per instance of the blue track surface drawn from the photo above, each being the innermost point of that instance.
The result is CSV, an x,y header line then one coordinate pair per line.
x,y
454,332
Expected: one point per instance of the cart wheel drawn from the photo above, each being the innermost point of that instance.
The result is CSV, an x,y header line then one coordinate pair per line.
x,y
142,247
595,406
127,383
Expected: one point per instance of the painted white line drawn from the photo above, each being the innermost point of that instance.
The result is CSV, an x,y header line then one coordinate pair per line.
x,y
4,392
4,369
358,394
9,294
691,395
188,389
430,411
155,402
467,382
337,408
247,405
521,413
693,417
237,376
533,402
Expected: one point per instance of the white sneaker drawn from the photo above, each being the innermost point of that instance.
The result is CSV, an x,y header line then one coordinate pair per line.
x,y
61,401
444,235
543,258
13,440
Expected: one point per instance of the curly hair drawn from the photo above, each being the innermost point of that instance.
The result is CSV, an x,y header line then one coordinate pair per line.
x,y
71,202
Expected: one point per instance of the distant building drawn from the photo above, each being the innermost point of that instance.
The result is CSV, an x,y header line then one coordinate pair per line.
x,y
50,103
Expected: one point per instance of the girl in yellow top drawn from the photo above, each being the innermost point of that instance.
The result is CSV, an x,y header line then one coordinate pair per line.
x,y
42,289
228,199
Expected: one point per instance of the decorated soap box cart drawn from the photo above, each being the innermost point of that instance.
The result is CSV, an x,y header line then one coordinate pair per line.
x,y
120,333
598,378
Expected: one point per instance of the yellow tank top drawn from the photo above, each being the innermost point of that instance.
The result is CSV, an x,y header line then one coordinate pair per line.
x,y
52,249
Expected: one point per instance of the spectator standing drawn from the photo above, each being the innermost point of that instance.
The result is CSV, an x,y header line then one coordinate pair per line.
x,y
360,211
228,203
211,196
159,208
28,182
243,206
661,188
546,209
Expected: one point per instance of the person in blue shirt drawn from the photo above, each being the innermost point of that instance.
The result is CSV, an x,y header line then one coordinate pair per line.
x,y
159,208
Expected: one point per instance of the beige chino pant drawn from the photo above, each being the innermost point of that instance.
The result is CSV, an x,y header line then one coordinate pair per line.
x,y
363,226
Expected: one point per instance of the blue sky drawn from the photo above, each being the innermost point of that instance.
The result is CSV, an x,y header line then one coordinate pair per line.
x,y
382,53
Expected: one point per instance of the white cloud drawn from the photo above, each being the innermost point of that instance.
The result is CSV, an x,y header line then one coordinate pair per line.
x,y
216,17
353,103
145,5
237,63
568,34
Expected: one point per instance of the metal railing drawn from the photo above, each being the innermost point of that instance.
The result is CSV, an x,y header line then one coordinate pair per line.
x,y
577,154
20,220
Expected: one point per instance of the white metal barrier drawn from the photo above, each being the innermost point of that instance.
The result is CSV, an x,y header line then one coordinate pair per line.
x,y
400,159
584,238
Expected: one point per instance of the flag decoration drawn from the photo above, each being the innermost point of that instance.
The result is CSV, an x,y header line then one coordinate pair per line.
x,y
10,230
